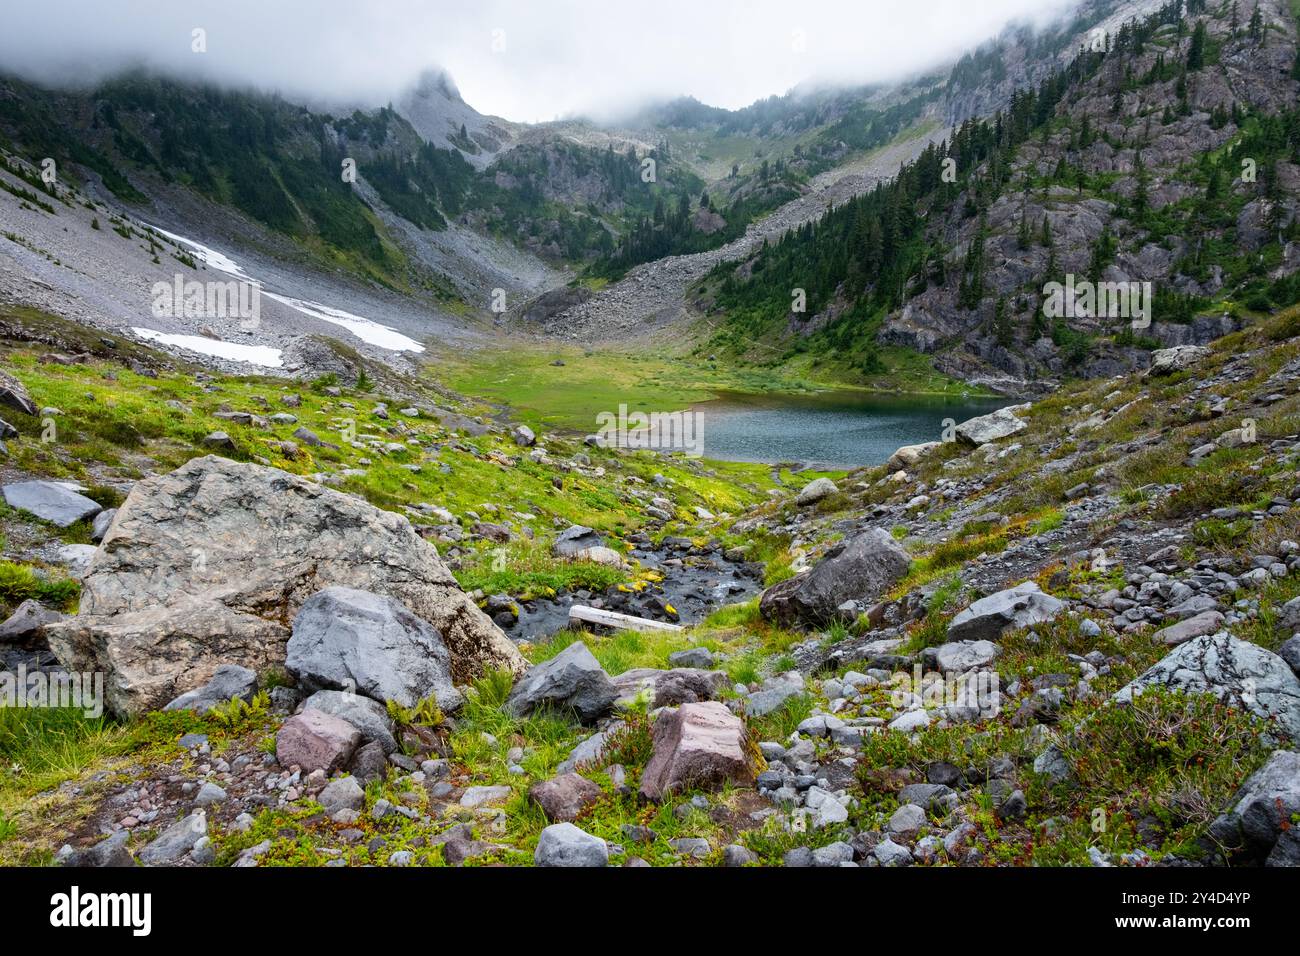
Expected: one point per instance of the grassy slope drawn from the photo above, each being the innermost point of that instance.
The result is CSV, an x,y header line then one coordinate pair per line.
x,y
1133,761
112,430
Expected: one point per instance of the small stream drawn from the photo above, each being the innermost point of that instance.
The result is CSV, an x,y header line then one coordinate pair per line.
x,y
832,431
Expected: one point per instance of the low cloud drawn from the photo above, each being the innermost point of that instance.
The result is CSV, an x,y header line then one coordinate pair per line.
x,y
522,59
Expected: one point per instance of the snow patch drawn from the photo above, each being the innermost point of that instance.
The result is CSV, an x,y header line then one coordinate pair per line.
x,y
262,355
364,329
209,257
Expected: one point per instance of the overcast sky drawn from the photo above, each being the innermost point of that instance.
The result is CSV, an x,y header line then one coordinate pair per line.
x,y
526,60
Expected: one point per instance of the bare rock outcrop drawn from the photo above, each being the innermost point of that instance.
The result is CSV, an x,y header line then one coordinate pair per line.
x,y
209,564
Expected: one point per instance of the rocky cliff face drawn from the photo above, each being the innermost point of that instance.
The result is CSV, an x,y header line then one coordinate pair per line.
x,y
1119,136
433,106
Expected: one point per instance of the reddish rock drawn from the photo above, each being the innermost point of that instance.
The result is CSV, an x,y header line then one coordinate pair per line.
x,y
562,798
701,746
315,740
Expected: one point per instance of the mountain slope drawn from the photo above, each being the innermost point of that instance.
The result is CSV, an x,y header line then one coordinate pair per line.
x,y
1123,167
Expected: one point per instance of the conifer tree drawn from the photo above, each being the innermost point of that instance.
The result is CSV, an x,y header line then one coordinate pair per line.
x,y
1196,52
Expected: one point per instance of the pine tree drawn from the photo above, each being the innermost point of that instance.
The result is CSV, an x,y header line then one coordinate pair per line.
x,y
1045,237
1141,193
971,291
1257,25
1002,323
1196,52
1025,237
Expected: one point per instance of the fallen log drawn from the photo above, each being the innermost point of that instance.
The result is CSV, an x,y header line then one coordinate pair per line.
x,y
620,622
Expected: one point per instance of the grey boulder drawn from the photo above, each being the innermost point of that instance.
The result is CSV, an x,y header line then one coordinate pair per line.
x,y
695,657
574,540
816,491
13,394
861,569
176,841
572,680
99,527
909,455
230,681
209,564
1177,359
961,656
988,618
368,716
111,852
51,501
1289,652
342,794
563,844
1263,808
1240,674
27,623
345,639
990,428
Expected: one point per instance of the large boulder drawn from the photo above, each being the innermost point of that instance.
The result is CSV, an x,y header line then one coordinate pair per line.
x,y
563,844
989,428
28,623
563,798
315,740
575,539
909,455
572,680
52,501
1178,359
13,394
669,688
816,491
209,565
959,657
1263,809
176,841
1021,606
345,639
368,716
699,746
861,569
230,682
1240,674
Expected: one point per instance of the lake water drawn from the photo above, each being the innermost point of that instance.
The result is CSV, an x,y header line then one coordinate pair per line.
x,y
834,430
